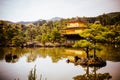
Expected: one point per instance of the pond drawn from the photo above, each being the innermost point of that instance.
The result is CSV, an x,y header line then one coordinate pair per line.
x,y
50,64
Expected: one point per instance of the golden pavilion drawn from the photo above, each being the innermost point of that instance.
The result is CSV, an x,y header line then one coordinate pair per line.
x,y
73,28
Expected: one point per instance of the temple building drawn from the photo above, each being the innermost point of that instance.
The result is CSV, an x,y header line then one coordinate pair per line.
x,y
73,28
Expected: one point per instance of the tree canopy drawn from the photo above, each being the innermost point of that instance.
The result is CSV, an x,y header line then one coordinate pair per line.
x,y
15,34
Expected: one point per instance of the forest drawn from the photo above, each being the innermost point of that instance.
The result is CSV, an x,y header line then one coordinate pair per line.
x,y
18,35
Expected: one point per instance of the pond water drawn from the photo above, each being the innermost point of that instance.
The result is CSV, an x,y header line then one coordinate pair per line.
x,y
50,64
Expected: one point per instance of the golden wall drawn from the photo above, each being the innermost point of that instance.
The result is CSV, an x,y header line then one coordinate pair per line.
x,y
77,24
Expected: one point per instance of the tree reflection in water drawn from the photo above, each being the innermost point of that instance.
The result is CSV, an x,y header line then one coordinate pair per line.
x,y
92,75
11,58
32,54
110,52
56,54
31,57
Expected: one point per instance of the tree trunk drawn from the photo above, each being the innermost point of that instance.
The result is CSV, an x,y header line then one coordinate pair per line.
x,y
87,52
87,71
95,72
94,50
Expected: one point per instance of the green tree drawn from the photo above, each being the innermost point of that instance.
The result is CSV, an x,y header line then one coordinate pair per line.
x,y
31,32
95,33
3,35
115,38
85,45
8,32
44,38
55,35
104,19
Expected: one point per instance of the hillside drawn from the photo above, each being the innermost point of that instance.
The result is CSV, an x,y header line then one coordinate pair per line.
x,y
113,14
112,18
109,19
40,21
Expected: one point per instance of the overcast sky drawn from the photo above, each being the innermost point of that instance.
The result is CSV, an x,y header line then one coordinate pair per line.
x,y
30,10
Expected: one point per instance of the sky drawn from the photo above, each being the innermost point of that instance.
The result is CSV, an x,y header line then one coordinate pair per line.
x,y
31,10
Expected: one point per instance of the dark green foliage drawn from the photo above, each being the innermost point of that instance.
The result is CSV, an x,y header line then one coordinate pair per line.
x,y
49,32
12,34
109,19
93,34
85,45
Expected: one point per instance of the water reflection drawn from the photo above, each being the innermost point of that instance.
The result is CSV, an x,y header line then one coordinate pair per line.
x,y
31,57
2,53
11,58
91,74
110,53
13,54
48,61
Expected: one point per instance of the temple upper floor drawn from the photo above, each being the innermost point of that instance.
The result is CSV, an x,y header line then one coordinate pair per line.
x,y
74,27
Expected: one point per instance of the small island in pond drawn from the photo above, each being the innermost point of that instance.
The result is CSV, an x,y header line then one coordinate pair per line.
x,y
97,62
